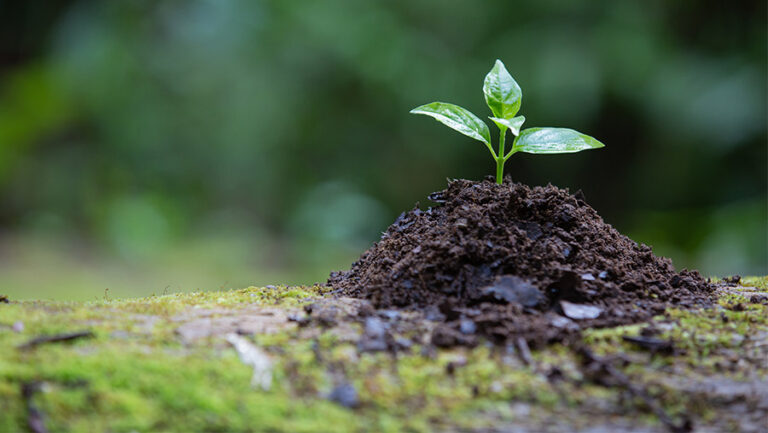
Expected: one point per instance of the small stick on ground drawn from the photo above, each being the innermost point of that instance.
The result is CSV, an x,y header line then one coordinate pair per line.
x,y
524,351
35,419
58,338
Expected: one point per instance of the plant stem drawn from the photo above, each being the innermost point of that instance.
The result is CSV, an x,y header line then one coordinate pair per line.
x,y
500,158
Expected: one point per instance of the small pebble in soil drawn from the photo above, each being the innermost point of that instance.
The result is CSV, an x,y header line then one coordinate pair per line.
x,y
579,311
18,326
389,314
300,320
374,328
564,323
433,314
345,395
403,343
513,289
374,338
467,326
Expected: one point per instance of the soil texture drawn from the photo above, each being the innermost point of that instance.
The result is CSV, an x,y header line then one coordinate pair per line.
x,y
510,261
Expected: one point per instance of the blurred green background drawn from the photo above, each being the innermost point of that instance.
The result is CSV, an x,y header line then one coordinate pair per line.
x,y
156,146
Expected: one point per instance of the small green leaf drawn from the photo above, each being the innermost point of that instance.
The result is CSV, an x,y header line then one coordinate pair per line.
x,y
513,124
457,118
502,94
553,140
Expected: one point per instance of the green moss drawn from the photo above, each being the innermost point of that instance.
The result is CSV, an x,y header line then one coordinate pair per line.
x,y
757,282
706,342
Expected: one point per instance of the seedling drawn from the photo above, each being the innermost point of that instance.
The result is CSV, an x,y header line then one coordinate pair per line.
x,y
503,96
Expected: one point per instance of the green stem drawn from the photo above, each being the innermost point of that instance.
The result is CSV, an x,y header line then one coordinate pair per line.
x,y
500,158
511,151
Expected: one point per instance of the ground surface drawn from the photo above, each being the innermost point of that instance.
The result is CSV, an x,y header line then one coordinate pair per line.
x,y
255,360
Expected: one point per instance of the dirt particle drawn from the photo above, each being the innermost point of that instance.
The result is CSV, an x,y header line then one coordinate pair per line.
x,y
448,336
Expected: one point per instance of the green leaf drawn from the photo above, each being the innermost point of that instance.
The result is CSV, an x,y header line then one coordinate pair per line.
x,y
513,124
502,94
553,140
457,118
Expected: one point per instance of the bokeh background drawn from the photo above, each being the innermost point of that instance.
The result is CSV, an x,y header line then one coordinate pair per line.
x,y
158,146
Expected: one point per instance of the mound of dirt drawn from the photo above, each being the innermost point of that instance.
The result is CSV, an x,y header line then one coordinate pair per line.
x,y
508,261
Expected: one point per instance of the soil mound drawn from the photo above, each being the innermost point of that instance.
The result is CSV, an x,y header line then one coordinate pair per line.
x,y
512,261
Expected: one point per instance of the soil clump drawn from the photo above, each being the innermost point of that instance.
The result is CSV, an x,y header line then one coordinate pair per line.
x,y
510,261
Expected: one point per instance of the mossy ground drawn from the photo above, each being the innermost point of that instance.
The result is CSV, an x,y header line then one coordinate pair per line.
x,y
138,374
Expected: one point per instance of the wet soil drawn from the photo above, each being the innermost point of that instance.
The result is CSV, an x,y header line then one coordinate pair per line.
x,y
509,261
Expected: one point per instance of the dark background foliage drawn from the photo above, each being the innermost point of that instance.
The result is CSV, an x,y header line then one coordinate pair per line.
x,y
173,145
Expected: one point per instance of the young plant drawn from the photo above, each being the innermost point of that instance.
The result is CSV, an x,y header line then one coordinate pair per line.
x,y
503,96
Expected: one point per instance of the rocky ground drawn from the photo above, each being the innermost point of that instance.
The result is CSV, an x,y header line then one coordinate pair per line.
x,y
302,359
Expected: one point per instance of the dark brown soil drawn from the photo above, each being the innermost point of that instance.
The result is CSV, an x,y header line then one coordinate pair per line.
x,y
509,261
